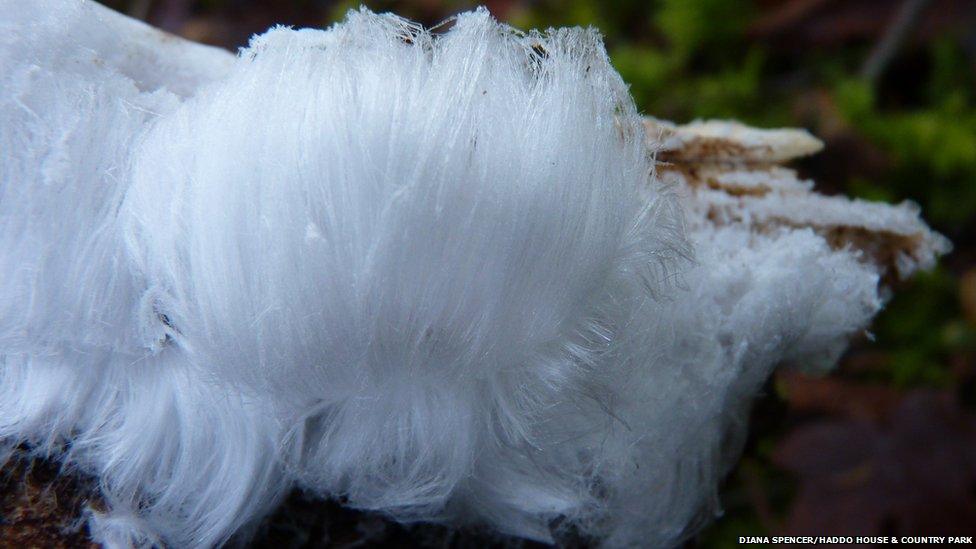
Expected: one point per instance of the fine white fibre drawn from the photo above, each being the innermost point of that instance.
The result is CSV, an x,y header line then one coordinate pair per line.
x,y
429,273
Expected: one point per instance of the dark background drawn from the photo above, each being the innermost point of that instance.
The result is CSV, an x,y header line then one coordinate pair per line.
x,y
887,444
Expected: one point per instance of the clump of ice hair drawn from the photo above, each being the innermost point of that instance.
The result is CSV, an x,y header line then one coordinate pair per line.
x,y
412,243
428,272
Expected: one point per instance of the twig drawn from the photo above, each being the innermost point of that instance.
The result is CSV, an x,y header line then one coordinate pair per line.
x,y
892,39
786,16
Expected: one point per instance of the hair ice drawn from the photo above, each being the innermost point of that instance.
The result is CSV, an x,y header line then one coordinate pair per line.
x,y
429,272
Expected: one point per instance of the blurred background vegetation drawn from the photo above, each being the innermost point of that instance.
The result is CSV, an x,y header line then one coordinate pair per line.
x,y
887,445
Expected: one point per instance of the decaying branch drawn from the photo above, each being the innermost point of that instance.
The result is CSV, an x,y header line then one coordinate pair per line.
x,y
732,173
